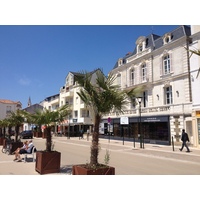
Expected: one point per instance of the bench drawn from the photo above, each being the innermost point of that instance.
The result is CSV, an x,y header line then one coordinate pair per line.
x,y
31,154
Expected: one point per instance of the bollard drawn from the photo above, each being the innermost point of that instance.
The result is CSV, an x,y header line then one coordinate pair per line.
x,y
134,141
172,143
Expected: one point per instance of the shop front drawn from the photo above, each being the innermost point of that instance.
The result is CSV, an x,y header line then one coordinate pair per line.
x,y
154,129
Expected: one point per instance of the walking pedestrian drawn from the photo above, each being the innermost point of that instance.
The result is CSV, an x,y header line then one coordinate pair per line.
x,y
184,139
81,134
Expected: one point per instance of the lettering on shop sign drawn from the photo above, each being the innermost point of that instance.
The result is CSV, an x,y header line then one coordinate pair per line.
x,y
152,119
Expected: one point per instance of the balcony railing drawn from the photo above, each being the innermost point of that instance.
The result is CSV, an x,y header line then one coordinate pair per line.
x,y
177,109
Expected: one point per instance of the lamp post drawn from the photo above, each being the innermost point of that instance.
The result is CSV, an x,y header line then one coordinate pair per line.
x,y
139,99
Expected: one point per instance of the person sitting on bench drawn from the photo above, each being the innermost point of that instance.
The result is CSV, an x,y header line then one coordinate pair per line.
x,y
22,151
23,147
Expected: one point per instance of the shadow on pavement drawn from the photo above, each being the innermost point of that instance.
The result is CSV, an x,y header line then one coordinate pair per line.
x,y
66,169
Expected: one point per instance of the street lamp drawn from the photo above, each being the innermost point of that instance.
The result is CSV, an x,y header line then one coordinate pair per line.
x,y
139,99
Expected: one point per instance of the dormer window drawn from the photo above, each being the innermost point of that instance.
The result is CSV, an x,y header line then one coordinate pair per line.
x,y
140,48
120,62
167,38
141,44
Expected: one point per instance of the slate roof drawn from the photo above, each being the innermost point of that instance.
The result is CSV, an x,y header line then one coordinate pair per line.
x,y
154,41
31,109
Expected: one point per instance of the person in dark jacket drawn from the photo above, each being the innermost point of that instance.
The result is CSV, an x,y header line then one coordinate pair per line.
x,y
184,139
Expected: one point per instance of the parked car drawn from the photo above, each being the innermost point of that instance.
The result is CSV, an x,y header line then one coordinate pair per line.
x,y
26,134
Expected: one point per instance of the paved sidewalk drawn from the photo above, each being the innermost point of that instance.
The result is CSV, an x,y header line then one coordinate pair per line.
x,y
10,167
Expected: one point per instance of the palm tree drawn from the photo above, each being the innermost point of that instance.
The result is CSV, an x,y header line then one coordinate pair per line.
x,y
196,52
101,98
17,119
47,118
3,125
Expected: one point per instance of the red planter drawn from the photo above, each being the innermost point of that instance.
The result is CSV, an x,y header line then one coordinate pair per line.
x,y
38,134
47,162
1,140
44,134
83,170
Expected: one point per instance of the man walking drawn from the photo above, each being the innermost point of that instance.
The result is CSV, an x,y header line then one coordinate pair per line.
x,y
184,139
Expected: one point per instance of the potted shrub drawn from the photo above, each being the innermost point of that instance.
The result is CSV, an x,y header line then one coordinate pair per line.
x,y
101,97
48,160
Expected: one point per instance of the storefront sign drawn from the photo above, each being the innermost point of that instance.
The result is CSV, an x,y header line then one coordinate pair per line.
x,y
152,119
74,120
124,120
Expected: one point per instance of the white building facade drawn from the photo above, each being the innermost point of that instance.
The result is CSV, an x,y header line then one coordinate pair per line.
x,y
161,65
195,82
8,106
80,117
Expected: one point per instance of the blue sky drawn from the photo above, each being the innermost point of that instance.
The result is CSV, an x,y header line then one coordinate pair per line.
x,y
34,60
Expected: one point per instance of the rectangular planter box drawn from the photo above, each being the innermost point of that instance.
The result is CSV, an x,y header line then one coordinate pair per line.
x,y
82,170
44,134
38,134
47,162
1,140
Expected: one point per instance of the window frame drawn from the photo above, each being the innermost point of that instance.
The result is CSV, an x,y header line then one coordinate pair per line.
x,y
168,95
166,64
143,72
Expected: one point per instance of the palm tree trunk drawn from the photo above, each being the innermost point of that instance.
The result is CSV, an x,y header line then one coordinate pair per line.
x,y
48,139
16,133
95,142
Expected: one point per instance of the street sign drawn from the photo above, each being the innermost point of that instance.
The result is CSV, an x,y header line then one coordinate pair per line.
x,y
109,120
124,120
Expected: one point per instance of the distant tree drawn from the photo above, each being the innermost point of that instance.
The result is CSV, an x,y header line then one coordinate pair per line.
x,y
3,124
17,119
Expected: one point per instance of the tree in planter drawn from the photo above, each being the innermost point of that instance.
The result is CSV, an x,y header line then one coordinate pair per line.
x,y
17,119
47,118
3,124
101,98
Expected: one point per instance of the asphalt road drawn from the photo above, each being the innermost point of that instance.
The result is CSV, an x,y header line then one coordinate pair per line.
x,y
127,160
